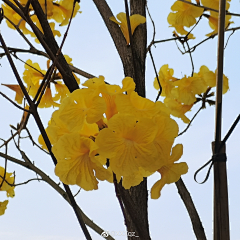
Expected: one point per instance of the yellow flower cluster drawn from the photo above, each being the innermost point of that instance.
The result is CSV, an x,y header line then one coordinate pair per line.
x,y
185,15
100,130
59,11
9,179
33,76
180,94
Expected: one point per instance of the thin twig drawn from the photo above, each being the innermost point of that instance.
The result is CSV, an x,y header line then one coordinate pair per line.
x,y
15,104
190,122
160,87
190,54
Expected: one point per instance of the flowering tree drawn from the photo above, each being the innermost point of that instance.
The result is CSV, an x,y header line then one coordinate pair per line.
x,y
100,131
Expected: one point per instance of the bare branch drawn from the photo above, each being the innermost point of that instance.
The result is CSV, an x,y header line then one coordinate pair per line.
x,y
193,214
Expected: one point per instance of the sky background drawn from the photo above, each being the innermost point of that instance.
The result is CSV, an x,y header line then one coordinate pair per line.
x,y
38,212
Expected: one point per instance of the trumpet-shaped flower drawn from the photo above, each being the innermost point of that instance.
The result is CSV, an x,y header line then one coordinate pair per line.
x,y
9,179
214,4
213,22
166,79
139,106
184,14
170,172
188,87
47,100
3,207
76,162
167,131
135,20
128,144
57,128
110,92
16,88
208,76
178,109
80,105
62,11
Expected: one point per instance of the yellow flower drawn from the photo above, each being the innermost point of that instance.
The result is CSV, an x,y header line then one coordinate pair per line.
x,y
167,131
15,18
3,207
76,162
47,100
170,172
80,105
213,22
166,79
16,88
214,4
178,109
188,87
5,186
62,11
110,92
208,76
128,144
184,14
57,128
135,20
32,76
139,106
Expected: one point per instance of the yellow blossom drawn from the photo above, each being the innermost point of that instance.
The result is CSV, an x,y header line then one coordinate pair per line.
x,y
170,172
135,20
110,92
80,105
128,144
8,179
47,100
139,106
178,109
16,88
208,76
3,207
57,128
62,11
167,131
188,87
76,161
184,14
213,22
166,79
214,4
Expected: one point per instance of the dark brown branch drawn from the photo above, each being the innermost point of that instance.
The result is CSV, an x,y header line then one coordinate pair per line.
x,y
187,200
15,104
49,40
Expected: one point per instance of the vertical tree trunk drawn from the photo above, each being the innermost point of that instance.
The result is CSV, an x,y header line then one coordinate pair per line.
x,y
137,195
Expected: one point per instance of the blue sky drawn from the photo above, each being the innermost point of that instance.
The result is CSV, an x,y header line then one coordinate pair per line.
x,y
38,212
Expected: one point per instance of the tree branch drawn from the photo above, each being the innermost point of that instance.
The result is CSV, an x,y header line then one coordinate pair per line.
x,y
193,214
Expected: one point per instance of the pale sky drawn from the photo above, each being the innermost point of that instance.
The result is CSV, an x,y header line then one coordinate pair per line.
x,y
38,212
